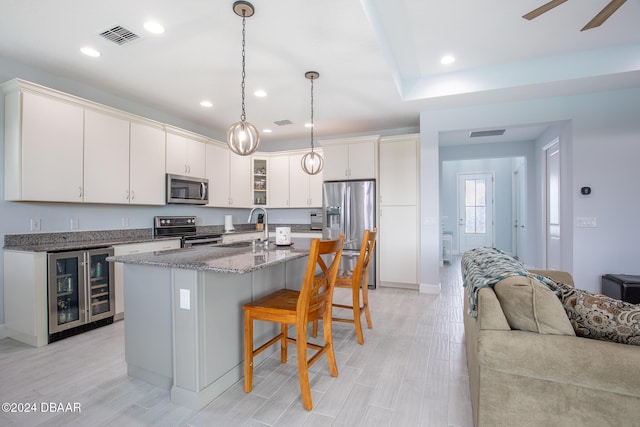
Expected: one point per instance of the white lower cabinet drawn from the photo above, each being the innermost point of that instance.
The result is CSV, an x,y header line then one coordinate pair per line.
x,y
134,248
398,246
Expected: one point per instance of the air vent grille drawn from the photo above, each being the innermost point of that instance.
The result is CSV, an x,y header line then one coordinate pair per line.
x,y
119,35
283,122
480,133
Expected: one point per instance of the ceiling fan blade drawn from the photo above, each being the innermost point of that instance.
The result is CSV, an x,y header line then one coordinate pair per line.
x,y
542,9
604,14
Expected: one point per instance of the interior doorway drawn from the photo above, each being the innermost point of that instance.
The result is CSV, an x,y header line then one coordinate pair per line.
x,y
553,207
518,212
475,211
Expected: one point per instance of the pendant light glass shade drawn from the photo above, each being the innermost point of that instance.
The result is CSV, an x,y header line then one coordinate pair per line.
x,y
312,162
243,137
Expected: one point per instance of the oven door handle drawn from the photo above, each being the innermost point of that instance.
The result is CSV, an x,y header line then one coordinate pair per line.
x,y
196,242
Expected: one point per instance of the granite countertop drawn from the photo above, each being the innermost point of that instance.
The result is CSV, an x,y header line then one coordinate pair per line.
x,y
80,240
220,259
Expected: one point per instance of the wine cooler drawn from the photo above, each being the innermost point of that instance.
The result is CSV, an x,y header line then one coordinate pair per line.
x,y
80,291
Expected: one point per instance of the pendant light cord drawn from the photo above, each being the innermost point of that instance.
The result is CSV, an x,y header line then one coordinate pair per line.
x,y
243,116
312,114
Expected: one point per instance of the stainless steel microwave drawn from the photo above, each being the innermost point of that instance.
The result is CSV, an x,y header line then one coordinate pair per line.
x,y
187,190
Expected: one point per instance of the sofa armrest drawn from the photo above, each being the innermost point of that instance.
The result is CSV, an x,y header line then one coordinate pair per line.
x,y
490,314
557,275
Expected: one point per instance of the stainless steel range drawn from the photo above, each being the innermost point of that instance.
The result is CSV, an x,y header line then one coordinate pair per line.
x,y
185,228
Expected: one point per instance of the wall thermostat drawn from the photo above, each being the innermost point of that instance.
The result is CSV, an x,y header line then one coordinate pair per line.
x,y
585,190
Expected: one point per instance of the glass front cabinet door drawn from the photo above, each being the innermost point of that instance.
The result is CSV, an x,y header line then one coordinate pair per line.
x,y
66,290
100,296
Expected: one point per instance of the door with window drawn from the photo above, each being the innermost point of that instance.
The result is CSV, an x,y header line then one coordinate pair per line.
x,y
552,209
475,209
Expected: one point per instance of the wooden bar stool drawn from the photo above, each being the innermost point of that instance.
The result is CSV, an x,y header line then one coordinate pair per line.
x,y
357,280
289,307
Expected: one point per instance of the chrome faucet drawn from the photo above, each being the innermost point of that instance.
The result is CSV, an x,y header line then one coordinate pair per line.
x,y
265,236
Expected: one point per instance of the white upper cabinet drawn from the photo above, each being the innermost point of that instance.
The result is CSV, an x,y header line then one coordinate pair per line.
x,y
217,161
43,147
124,161
185,155
305,190
352,158
240,181
147,165
398,170
279,181
229,177
106,158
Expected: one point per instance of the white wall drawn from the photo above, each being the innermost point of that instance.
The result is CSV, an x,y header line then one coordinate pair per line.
x,y
600,143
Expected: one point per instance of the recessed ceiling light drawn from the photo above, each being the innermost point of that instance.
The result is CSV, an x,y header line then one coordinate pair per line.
x,y
89,51
154,27
260,93
308,125
267,130
207,104
447,59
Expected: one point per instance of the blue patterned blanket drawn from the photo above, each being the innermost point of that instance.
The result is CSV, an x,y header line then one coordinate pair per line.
x,y
482,267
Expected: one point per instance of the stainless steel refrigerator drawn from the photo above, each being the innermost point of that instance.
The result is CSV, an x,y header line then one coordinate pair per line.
x,y
349,207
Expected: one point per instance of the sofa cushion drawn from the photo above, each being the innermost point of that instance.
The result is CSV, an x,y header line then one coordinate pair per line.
x,y
601,317
531,306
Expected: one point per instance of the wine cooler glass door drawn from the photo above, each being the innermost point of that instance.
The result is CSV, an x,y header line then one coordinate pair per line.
x,y
100,289
66,291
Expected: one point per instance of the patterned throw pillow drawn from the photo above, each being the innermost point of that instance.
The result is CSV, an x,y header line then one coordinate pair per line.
x,y
601,317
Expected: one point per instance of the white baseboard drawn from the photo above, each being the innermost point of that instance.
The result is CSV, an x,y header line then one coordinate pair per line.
x,y
3,332
430,289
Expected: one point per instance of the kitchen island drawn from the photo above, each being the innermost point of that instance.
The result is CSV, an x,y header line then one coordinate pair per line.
x,y
184,322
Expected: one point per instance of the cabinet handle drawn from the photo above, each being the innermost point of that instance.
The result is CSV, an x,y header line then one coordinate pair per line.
x,y
126,194
80,192
133,194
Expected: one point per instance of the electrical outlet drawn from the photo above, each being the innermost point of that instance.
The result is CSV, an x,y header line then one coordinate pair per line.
x,y
75,223
125,221
586,222
35,224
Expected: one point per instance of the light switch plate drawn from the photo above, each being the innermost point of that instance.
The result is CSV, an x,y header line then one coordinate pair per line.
x,y
35,224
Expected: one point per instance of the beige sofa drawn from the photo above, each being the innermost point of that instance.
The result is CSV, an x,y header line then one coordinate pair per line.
x,y
521,378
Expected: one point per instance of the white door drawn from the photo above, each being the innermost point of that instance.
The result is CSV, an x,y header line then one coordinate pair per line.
x,y
475,207
552,214
518,213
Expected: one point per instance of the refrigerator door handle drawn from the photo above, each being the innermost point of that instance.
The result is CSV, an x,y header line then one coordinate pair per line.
x,y
347,214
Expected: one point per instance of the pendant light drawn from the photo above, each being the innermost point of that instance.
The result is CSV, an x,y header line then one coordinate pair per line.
x,y
312,162
242,137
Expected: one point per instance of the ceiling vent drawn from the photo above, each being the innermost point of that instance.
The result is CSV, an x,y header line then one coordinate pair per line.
x,y
479,133
283,122
119,35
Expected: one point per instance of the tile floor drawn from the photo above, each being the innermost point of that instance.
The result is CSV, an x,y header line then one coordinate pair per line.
x,y
411,371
